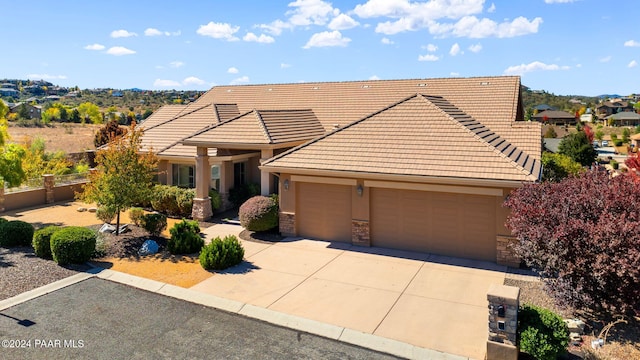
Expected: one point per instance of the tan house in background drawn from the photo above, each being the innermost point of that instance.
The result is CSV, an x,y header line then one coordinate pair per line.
x,y
420,164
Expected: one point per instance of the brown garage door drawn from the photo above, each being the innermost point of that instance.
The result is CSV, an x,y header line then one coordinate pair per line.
x,y
323,211
441,223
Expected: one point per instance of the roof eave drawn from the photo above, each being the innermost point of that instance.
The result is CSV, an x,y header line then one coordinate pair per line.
x,y
242,146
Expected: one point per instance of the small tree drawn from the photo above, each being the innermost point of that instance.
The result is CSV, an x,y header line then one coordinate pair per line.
x,y
556,167
550,133
578,147
110,130
582,237
124,175
626,133
599,135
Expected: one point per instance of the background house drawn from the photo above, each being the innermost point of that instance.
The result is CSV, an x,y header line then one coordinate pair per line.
x,y
555,117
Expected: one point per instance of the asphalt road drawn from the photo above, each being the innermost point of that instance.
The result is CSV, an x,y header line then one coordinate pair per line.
x,y
99,319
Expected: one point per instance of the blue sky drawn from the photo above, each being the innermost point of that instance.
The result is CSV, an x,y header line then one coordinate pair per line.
x,y
568,47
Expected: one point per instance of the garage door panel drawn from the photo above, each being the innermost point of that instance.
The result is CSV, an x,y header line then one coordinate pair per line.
x,y
323,211
460,225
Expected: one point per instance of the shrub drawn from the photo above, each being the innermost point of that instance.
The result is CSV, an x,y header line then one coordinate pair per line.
x,y
216,200
154,223
242,193
15,233
73,244
614,164
550,133
185,238
221,254
617,143
42,241
106,214
136,214
3,220
260,213
542,333
172,200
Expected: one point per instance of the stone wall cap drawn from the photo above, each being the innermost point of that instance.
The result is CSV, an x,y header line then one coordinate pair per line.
x,y
503,291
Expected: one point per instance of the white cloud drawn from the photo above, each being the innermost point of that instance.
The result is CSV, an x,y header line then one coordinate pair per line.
x,y
153,32
218,31
276,27
605,59
428,57
232,70
430,48
192,80
492,8
284,66
176,64
159,67
475,48
472,27
265,39
454,74
122,34
455,50
94,47
631,43
327,38
386,41
308,12
374,77
119,51
46,77
632,64
533,66
342,22
240,80
166,83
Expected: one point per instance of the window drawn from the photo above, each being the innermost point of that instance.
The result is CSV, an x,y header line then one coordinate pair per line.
x,y
215,177
183,175
239,174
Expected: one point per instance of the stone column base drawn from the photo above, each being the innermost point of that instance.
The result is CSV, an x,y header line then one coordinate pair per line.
x,y
287,223
360,233
505,255
201,209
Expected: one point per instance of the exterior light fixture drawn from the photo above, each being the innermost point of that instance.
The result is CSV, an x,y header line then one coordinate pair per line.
x,y
359,190
286,184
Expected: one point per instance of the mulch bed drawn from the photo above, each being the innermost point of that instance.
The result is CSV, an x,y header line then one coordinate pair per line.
x,y
261,236
126,244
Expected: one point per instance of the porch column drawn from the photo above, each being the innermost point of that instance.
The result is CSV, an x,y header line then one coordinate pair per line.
x,y
202,203
266,180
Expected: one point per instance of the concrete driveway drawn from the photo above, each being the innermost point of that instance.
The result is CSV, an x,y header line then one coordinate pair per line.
x,y
430,301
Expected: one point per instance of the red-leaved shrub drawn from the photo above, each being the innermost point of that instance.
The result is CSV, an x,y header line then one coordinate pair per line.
x,y
259,213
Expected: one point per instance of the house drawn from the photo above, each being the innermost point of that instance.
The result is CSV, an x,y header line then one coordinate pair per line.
x,y
625,118
611,107
555,117
542,107
420,164
33,111
9,92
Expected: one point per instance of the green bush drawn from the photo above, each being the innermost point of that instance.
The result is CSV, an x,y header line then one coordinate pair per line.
x,y
185,238
238,196
221,254
617,143
542,333
42,241
154,223
73,244
15,233
172,200
136,214
216,200
106,214
260,213
3,220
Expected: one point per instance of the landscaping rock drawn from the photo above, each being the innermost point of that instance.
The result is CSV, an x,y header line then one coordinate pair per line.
x,y
149,247
92,209
82,209
575,326
107,228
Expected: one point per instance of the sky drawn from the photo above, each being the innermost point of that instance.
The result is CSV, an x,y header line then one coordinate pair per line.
x,y
566,47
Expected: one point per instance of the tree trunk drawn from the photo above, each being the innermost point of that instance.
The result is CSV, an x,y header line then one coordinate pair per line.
x,y
117,221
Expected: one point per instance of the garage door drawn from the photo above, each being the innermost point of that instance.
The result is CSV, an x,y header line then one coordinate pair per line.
x,y
441,223
323,211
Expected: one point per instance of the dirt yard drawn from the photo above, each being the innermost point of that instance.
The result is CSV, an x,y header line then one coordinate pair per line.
x,y
70,138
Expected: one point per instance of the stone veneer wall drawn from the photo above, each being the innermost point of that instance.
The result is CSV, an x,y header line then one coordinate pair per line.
x,y
360,233
201,209
505,254
49,184
503,322
287,224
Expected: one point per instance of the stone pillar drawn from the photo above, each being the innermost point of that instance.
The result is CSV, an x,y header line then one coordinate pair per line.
x,y
287,223
505,255
503,322
360,233
266,180
49,183
202,203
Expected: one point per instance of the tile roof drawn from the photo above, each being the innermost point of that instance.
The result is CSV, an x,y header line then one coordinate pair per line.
x,y
262,127
554,114
422,135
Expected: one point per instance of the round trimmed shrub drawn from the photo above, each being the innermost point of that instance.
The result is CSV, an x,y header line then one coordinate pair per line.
x,y
154,223
16,233
185,238
73,245
542,332
259,213
136,214
42,241
106,214
3,220
221,254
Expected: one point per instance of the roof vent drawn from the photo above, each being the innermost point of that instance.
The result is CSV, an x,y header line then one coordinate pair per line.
x,y
315,88
366,86
229,90
422,85
335,127
484,83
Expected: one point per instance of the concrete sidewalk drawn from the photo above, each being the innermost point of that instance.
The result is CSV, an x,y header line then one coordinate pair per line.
x,y
429,301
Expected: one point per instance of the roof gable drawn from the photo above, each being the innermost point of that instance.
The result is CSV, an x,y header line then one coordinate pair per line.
x,y
419,136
